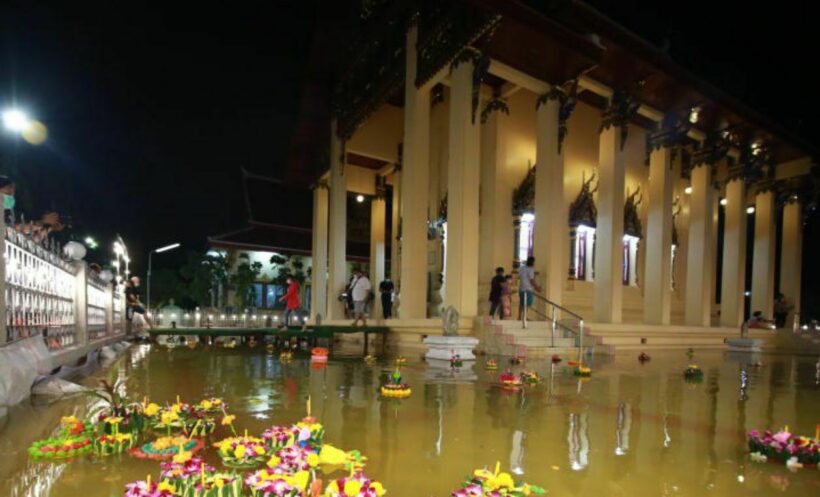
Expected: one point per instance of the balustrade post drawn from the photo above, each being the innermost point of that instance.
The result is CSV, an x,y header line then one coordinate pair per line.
x,y
3,331
81,304
109,310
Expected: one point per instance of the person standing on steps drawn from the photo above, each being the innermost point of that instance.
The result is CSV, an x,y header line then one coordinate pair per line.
x,y
386,288
496,288
526,286
360,290
291,299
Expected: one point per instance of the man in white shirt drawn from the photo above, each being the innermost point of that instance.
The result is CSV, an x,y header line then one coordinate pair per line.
x,y
360,289
526,286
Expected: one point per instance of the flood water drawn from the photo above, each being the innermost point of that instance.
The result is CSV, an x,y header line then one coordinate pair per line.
x,y
630,430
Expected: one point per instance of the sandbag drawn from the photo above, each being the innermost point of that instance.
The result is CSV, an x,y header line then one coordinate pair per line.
x,y
21,363
56,388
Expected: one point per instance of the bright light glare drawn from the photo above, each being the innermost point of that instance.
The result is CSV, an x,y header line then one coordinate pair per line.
x,y
688,190
750,210
15,120
723,201
167,248
528,217
360,198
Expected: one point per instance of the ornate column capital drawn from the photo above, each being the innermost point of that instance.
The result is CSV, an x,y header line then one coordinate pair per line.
x,y
481,64
622,107
497,103
321,184
670,133
567,98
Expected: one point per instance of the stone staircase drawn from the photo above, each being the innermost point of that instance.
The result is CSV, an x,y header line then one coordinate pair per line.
x,y
509,338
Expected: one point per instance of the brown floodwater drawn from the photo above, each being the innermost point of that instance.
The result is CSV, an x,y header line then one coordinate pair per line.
x,y
632,429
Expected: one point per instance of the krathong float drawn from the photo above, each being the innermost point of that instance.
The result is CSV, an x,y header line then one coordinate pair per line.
x,y
583,372
148,488
285,356
517,360
491,365
395,388
277,437
292,459
509,380
693,373
556,359
309,433
318,354
401,361
484,483
167,447
530,378
785,448
114,443
455,360
116,404
643,357
354,486
268,483
212,405
370,359
73,440
352,460
242,452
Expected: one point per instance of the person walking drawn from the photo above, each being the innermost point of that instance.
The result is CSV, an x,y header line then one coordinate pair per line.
x,y
291,300
781,310
506,297
360,289
526,286
386,288
496,287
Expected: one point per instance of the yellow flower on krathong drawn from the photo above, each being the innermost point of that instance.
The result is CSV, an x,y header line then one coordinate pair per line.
x,y
313,460
300,479
67,443
332,488
182,456
169,417
352,487
503,480
219,482
176,408
225,446
151,409
206,404
239,451
217,402
274,461
69,420
378,487
113,420
164,485
228,420
122,437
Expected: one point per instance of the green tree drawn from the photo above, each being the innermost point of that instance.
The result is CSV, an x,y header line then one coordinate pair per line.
x,y
243,278
288,266
203,274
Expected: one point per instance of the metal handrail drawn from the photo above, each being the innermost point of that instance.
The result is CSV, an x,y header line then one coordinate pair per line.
x,y
555,323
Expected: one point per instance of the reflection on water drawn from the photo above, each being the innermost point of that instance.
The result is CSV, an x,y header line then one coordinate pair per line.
x,y
671,438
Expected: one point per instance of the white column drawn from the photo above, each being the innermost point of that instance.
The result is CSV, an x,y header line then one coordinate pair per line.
x,y
791,256
550,216
3,330
377,247
318,275
337,220
700,262
610,228
491,179
657,299
395,217
734,255
415,172
763,255
461,264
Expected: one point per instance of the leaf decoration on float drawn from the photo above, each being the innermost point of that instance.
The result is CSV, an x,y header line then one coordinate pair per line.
x,y
167,447
693,374
485,483
242,452
395,388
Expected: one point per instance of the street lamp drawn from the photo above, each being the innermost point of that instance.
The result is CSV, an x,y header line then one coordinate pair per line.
x,y
158,251
16,120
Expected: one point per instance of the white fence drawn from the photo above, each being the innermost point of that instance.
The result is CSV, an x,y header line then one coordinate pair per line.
x,y
45,295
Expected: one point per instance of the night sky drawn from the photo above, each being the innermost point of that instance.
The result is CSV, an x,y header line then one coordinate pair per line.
x,y
153,111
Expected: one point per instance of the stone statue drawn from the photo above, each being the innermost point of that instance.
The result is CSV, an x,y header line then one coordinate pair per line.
x,y
449,319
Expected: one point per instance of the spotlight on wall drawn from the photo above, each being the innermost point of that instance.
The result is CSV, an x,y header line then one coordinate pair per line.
x,y
360,198
694,113
750,209
747,293
688,190
723,201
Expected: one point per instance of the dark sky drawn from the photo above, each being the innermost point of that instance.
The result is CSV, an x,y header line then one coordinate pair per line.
x,y
153,110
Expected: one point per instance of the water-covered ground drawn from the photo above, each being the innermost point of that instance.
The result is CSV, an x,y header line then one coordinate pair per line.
x,y
631,429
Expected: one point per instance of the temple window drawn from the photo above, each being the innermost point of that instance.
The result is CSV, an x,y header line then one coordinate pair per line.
x,y
584,250
525,233
630,264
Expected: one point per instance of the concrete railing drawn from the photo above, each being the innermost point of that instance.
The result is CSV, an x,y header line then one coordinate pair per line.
x,y
45,295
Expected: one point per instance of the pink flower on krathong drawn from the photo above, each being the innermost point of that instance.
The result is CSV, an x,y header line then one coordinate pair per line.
x,y
137,489
782,437
754,434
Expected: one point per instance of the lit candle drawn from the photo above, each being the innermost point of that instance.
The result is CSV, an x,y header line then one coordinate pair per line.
x,y
202,472
308,406
786,428
148,481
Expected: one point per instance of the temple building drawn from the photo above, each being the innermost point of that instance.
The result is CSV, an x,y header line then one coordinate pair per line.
x,y
486,131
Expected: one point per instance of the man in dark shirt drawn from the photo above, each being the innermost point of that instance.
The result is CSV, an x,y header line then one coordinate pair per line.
x,y
386,289
495,291
132,300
